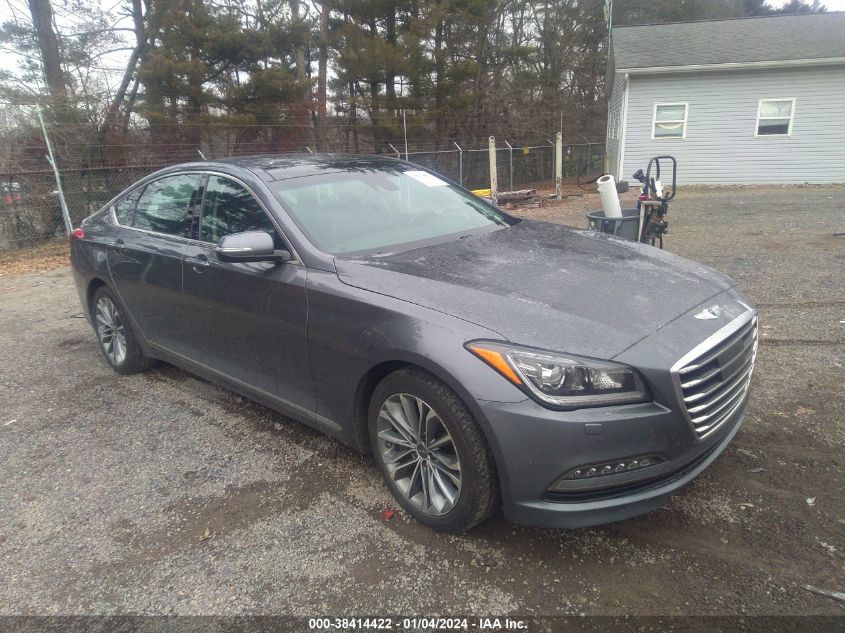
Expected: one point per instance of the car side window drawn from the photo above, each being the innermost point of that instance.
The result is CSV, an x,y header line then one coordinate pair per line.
x,y
229,208
165,205
124,209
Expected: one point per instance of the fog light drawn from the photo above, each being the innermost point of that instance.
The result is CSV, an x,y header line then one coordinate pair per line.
x,y
591,471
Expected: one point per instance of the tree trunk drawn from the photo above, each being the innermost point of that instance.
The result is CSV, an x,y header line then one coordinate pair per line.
x,y
322,69
438,80
299,51
48,45
479,83
389,70
195,99
375,105
130,105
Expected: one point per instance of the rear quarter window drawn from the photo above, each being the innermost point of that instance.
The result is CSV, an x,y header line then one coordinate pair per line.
x,y
124,208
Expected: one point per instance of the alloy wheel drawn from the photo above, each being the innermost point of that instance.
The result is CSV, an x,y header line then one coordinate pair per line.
x,y
419,454
110,330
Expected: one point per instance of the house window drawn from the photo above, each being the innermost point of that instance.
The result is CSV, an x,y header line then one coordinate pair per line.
x,y
614,127
774,117
670,120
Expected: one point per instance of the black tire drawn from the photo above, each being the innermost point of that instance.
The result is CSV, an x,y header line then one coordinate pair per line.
x,y
478,495
134,360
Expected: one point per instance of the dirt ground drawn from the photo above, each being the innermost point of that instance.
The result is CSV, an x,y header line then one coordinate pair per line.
x,y
162,494
34,259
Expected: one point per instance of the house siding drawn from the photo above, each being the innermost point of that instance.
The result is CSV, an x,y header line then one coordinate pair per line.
x,y
614,113
720,144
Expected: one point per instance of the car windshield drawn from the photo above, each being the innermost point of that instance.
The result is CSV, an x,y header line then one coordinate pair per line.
x,y
377,211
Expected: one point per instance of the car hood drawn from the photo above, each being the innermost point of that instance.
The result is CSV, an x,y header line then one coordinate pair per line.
x,y
545,285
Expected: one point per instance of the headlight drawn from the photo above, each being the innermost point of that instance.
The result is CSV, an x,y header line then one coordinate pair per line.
x,y
563,380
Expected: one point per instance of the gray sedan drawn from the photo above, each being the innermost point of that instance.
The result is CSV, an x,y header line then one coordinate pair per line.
x,y
569,377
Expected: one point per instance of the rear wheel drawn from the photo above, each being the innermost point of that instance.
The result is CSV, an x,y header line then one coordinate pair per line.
x,y
115,335
431,452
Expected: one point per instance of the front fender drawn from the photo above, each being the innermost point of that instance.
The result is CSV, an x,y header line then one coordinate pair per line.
x,y
354,332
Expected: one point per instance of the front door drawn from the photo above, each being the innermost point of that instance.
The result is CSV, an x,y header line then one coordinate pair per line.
x,y
248,319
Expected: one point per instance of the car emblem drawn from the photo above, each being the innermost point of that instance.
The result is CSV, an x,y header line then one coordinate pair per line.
x,y
713,312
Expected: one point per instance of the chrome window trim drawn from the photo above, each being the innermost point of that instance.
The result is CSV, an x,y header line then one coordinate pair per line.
x,y
295,259
710,342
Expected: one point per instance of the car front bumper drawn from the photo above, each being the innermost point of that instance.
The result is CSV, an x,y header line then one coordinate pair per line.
x,y
535,446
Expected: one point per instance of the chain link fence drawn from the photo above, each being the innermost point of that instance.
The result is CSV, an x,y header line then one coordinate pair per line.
x,y
517,167
31,211
30,207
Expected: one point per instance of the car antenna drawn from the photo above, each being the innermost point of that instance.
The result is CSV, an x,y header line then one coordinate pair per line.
x,y
199,151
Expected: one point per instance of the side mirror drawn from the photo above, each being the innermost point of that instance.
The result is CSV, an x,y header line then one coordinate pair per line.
x,y
249,246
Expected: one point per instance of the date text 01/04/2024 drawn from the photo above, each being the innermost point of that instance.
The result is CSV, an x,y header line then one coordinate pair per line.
x,y
417,624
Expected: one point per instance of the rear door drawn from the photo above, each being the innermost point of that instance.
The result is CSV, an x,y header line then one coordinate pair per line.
x,y
248,319
145,260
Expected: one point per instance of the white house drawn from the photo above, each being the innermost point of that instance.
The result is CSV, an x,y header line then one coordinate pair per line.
x,y
744,101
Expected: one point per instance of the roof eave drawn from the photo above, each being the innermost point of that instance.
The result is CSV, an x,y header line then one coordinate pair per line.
x,y
782,63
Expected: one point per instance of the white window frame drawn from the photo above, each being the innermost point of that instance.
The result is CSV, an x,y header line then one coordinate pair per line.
x,y
654,121
791,117
614,126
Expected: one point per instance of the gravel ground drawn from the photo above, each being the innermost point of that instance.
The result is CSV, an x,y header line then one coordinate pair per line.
x,y
163,494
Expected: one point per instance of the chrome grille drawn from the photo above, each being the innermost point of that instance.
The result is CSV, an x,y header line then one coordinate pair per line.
x,y
712,380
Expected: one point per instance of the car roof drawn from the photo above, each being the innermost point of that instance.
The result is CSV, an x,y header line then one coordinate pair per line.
x,y
271,167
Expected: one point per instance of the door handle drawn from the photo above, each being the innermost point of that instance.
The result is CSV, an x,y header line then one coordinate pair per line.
x,y
199,262
118,245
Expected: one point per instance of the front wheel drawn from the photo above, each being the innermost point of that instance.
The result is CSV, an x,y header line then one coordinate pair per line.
x,y
431,452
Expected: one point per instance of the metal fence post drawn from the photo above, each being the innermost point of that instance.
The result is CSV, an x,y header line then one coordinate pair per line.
x,y
493,180
558,165
51,159
510,156
460,164
405,129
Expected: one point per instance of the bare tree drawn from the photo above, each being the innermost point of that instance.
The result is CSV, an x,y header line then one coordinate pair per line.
x,y
140,29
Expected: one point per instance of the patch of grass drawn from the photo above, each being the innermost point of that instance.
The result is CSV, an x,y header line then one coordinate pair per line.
x,y
37,258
